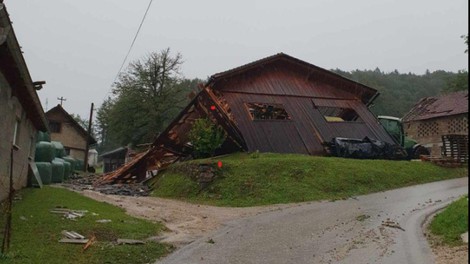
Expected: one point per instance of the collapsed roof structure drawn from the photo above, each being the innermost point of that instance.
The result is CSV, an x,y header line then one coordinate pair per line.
x,y
276,104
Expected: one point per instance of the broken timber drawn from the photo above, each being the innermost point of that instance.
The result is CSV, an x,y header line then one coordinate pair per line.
x,y
172,144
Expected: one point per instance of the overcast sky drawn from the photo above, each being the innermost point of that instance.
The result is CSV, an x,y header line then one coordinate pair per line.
x,y
77,47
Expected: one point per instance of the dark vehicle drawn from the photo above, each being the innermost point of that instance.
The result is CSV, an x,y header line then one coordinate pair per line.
x,y
394,127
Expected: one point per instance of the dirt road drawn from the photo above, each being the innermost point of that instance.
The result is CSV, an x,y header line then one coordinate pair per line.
x,y
186,222
384,227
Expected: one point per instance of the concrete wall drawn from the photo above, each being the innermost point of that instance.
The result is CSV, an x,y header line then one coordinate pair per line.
x,y
429,132
10,111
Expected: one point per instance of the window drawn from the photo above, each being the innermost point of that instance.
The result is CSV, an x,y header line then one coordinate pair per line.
x,y
338,114
54,127
67,151
16,133
262,111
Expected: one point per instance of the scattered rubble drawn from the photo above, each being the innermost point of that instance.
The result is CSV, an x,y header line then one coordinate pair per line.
x,y
90,182
68,213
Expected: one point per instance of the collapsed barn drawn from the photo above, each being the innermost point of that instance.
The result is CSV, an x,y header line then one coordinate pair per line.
x,y
276,104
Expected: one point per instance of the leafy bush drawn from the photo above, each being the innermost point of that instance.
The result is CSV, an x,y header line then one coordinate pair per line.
x,y
205,137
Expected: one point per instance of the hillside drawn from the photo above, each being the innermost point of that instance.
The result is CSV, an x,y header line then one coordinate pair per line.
x,y
267,178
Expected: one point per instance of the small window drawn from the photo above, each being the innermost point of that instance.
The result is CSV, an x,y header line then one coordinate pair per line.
x,y
16,133
67,151
261,111
338,114
54,127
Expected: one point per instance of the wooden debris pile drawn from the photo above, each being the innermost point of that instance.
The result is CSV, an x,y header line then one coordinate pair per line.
x,y
173,143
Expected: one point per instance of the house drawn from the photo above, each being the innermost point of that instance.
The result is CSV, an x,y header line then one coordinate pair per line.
x,y
21,113
114,159
69,132
276,104
431,118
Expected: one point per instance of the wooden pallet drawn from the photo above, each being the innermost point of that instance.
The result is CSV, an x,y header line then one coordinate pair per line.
x,y
455,147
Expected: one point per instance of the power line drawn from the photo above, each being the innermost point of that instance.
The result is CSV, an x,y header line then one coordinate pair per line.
x,y
133,41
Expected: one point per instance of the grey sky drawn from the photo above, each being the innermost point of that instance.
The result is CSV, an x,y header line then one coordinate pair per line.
x,y
78,46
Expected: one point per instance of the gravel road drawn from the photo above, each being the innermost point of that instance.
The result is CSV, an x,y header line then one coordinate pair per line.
x,y
385,227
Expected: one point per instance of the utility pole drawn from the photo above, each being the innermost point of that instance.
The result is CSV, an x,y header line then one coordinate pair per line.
x,y
85,166
61,99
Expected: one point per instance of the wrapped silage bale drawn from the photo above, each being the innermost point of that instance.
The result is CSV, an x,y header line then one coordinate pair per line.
x,y
45,171
58,149
58,170
43,136
44,152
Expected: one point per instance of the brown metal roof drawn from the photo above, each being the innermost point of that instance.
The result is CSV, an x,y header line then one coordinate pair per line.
x,y
445,105
366,93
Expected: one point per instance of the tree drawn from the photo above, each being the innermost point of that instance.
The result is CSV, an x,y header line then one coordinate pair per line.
x,y
205,137
146,97
81,121
465,39
459,82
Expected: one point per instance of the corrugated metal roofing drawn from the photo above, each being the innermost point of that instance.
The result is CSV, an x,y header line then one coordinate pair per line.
x,y
432,107
365,93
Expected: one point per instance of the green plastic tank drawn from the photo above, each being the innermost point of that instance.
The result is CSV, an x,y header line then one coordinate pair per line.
x,y
43,136
72,162
58,149
44,152
45,171
58,170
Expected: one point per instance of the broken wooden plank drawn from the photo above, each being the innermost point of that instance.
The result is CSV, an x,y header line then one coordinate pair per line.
x,y
74,241
72,234
89,243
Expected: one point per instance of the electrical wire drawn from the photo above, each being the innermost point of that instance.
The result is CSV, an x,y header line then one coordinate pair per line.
x,y
133,41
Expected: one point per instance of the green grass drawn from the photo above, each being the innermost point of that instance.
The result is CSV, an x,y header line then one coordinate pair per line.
x,y
266,178
36,231
452,222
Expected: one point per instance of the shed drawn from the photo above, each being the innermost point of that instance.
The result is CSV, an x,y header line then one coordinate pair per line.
x,y
433,117
114,159
276,104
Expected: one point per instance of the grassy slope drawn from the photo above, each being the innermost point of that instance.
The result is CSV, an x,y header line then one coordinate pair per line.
x,y
35,240
452,222
247,180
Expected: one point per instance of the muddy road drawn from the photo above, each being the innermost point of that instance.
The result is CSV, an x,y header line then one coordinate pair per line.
x,y
383,227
